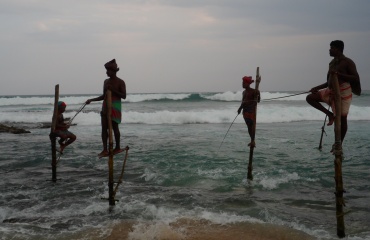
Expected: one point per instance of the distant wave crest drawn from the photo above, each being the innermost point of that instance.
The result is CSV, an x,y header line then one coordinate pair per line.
x,y
146,97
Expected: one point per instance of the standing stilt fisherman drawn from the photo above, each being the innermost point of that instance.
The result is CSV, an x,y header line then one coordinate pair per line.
x,y
118,88
249,107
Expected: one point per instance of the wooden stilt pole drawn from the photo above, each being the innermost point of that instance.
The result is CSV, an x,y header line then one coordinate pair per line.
x,y
123,170
250,167
338,158
110,161
322,133
323,130
53,137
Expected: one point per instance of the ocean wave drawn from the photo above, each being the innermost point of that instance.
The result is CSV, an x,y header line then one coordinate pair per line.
x,y
157,97
146,97
41,100
266,114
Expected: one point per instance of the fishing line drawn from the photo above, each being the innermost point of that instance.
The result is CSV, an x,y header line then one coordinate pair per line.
x,y
261,100
284,96
228,131
70,121
269,99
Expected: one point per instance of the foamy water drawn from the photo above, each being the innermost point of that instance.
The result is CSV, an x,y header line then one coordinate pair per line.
x,y
290,109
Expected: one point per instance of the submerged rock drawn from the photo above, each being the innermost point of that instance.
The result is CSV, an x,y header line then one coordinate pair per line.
x,y
15,130
45,125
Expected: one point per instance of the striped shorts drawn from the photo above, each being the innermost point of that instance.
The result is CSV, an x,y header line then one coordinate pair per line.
x,y
346,96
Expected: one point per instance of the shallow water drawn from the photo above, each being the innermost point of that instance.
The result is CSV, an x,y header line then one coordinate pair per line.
x,y
178,184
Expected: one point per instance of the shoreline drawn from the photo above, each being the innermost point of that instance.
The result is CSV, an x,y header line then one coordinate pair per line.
x,y
194,229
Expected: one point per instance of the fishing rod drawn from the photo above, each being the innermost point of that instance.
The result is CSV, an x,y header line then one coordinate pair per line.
x,y
228,131
284,96
261,100
70,121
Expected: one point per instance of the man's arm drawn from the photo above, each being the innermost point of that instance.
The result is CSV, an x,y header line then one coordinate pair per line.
x,y
101,97
95,99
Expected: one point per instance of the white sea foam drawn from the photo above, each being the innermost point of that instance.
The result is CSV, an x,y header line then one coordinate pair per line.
x,y
156,96
226,96
161,226
5,212
78,100
148,175
41,100
167,215
270,182
216,174
266,114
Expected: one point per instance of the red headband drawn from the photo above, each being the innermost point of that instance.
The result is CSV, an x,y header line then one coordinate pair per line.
x,y
62,104
247,79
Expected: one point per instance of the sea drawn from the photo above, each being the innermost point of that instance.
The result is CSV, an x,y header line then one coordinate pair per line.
x,y
186,170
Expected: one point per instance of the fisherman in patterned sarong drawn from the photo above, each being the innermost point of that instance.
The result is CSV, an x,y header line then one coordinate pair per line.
x,y
118,88
349,81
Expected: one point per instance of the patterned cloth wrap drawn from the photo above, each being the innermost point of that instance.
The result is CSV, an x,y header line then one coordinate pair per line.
x,y
346,96
345,89
116,109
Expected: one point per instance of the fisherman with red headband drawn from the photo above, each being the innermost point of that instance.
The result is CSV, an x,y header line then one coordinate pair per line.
x,y
61,128
249,107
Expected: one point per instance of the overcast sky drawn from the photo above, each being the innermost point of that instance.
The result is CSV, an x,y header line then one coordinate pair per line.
x,y
177,45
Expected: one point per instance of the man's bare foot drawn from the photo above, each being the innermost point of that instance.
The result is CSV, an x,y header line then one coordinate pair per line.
x,y
252,144
62,146
104,153
331,119
117,150
333,149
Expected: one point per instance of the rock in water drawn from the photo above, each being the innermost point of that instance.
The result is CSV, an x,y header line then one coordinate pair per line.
x,y
4,128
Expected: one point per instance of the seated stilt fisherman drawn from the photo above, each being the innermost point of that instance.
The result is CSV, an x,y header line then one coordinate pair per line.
x,y
61,128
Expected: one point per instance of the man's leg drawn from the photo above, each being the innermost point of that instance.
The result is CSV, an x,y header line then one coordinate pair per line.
x,y
117,136
314,100
61,141
63,137
251,134
71,139
249,123
104,134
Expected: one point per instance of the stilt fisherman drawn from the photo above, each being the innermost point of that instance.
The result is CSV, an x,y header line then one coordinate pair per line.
x,y
249,107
